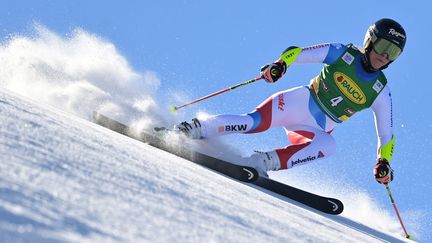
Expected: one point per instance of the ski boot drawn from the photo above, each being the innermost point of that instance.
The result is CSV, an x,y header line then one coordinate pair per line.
x,y
191,130
263,162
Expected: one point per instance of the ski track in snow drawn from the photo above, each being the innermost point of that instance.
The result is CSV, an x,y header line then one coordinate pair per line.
x,y
63,178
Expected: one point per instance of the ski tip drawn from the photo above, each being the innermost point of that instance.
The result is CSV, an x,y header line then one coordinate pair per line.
x,y
337,206
173,109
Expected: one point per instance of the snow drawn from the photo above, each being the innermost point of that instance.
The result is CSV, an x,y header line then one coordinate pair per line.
x,y
63,178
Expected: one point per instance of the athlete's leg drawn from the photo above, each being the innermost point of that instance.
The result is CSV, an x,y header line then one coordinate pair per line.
x,y
225,124
284,108
307,129
307,144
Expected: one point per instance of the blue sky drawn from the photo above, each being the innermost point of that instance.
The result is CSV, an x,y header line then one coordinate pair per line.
x,y
198,47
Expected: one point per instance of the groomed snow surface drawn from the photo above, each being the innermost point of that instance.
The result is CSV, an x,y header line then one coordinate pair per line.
x,y
63,178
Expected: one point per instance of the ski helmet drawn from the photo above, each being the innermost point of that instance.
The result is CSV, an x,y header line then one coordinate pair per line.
x,y
385,36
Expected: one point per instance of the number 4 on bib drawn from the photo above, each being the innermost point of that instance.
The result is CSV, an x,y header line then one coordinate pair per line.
x,y
336,100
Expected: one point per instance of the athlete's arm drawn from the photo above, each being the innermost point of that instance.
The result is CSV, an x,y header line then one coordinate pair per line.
x,y
382,108
323,53
326,53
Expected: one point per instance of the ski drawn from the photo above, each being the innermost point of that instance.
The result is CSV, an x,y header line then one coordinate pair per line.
x,y
242,173
320,203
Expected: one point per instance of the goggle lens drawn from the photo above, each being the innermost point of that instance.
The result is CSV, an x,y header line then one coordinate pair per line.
x,y
382,46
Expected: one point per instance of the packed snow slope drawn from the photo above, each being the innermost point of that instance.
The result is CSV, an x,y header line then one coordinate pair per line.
x,y
63,178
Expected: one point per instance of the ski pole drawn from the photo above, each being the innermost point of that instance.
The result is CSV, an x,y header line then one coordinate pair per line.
x,y
288,57
397,212
175,108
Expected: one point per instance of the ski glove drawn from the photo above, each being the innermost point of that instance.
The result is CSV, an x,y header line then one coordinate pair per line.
x,y
274,71
383,172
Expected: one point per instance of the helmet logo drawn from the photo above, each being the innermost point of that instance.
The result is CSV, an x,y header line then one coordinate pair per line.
x,y
395,33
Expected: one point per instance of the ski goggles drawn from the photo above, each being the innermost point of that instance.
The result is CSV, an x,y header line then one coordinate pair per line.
x,y
382,46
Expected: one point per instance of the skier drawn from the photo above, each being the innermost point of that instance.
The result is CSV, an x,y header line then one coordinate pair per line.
x,y
350,81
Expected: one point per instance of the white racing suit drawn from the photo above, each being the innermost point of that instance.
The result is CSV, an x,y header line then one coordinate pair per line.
x,y
307,126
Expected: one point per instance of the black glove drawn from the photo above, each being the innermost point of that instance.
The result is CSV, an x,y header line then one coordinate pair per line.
x,y
383,172
274,71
